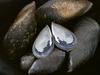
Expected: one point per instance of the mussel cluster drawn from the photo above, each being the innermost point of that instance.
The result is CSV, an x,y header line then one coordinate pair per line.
x,y
45,37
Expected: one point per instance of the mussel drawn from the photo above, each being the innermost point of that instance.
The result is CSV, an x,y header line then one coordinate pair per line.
x,y
49,64
55,46
21,33
60,11
43,44
87,31
63,38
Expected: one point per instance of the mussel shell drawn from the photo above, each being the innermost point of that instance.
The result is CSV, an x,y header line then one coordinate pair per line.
x,y
21,33
63,38
43,44
87,32
61,11
49,64
26,61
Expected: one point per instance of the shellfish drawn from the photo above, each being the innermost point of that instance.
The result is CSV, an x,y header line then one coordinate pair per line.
x,y
60,11
43,44
63,38
49,64
87,31
21,33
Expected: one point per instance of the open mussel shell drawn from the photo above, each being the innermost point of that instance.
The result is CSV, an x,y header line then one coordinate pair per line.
x,y
43,44
21,33
87,32
61,11
49,64
63,38
26,61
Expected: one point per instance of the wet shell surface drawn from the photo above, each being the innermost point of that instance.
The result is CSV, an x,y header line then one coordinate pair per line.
x,y
63,38
21,33
61,11
49,64
87,32
55,48
43,44
83,51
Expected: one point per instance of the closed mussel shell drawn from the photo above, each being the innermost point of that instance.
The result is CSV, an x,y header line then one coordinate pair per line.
x,y
43,44
21,33
49,64
61,11
87,32
63,38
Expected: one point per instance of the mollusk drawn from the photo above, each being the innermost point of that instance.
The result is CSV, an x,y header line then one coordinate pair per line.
x,y
60,36
61,11
63,38
43,44
87,31
20,34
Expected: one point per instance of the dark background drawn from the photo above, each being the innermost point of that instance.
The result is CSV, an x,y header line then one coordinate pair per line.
x,y
9,10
